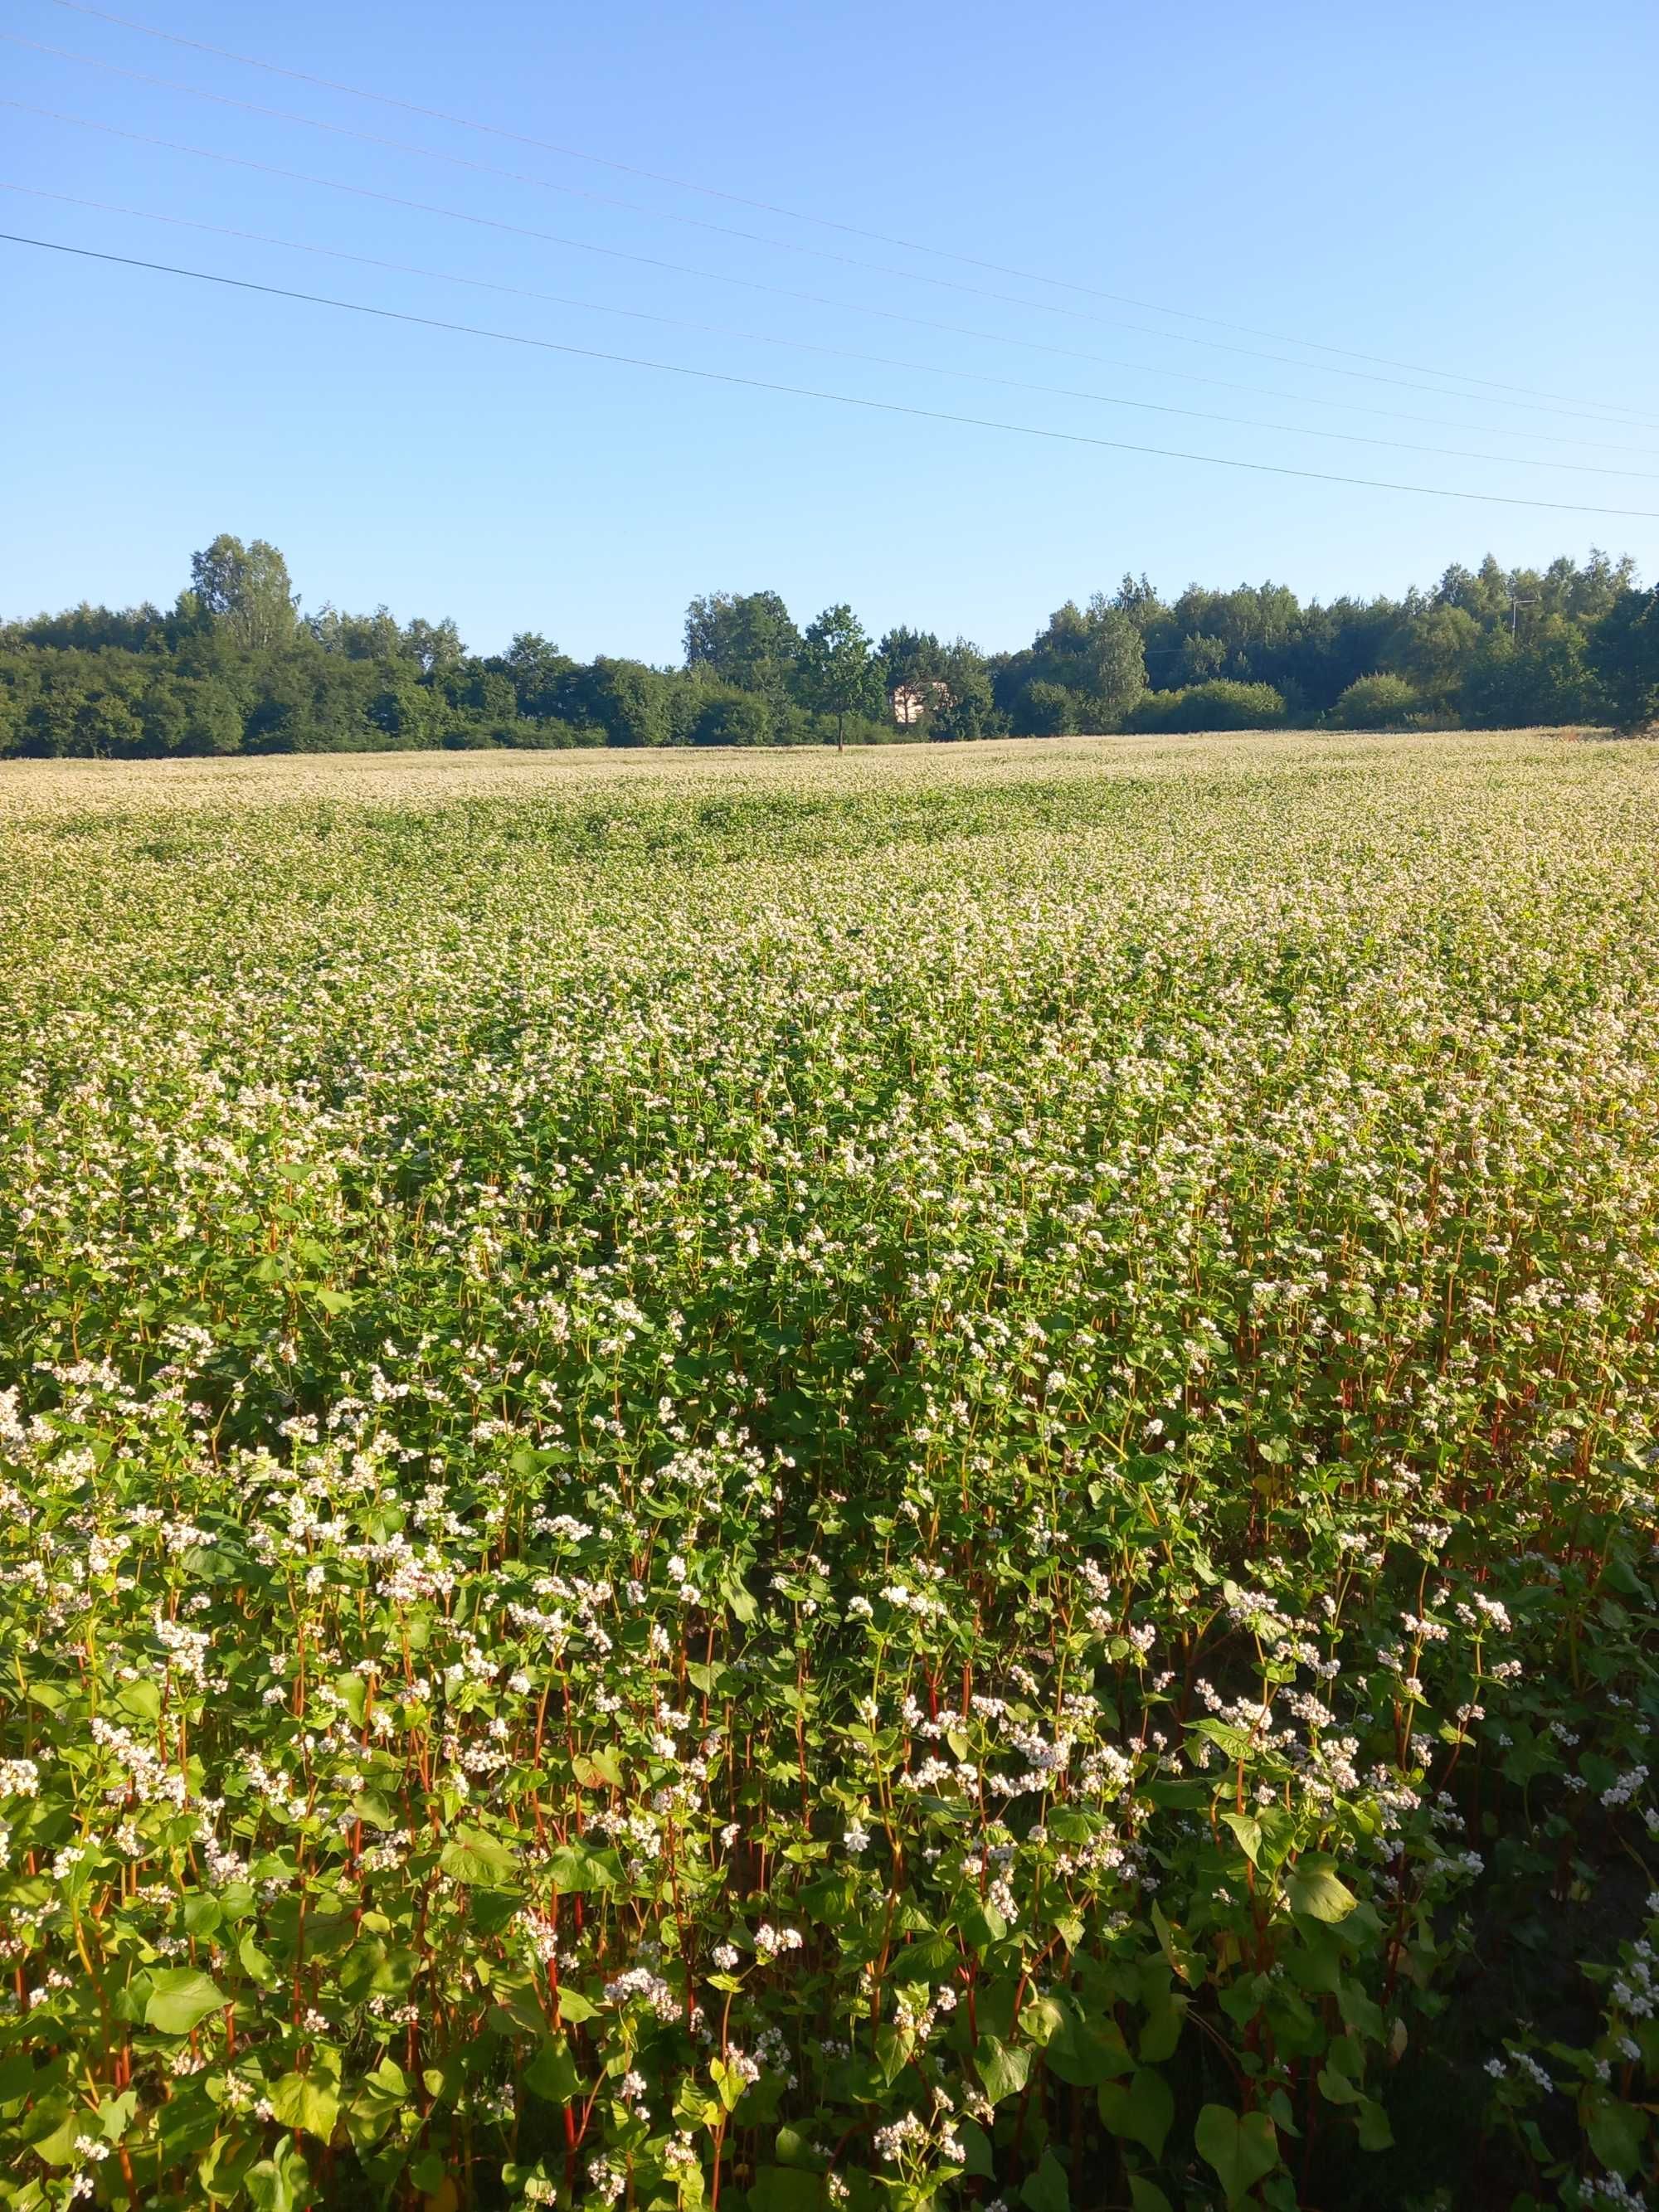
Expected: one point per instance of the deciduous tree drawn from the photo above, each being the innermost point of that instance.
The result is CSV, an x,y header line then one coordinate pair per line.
x,y
837,669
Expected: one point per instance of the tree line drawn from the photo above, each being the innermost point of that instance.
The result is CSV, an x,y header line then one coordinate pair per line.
x,y
234,667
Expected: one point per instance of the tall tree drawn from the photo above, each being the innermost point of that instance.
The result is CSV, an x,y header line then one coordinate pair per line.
x,y
910,656
1114,661
968,709
536,668
626,700
360,637
434,645
748,638
838,672
1624,651
246,590
1137,596
1436,646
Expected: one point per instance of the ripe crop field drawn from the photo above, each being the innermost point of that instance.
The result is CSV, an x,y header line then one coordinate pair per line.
x,y
924,1480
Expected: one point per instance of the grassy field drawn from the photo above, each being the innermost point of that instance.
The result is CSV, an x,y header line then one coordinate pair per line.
x,y
915,1480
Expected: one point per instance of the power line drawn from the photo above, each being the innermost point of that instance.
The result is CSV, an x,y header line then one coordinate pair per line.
x,y
806,392
1609,419
797,214
782,291
806,345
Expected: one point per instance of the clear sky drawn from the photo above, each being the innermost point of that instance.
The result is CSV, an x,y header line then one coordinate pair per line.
x,y
1467,189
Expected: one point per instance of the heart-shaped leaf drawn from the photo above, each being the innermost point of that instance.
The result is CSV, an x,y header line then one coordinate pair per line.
x,y
178,1997
1243,2147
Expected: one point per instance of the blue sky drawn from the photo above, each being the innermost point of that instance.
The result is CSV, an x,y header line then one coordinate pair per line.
x,y
1469,189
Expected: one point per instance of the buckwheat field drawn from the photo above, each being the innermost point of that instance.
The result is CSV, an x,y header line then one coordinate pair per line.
x,y
920,1480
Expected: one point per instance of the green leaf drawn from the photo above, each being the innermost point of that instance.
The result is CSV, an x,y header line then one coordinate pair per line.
x,y
1278,1834
1312,1887
927,1960
831,1899
1087,2056
1336,2087
255,1965
1142,2108
52,2130
1238,1743
178,1997
1047,2190
743,1608
976,2148
1616,2131
1002,2069
1179,1960
893,2049
115,2115
222,2169
1316,1963
379,2096
786,2188
1041,2021
981,1925
1146,2195
478,1860
572,1867
1086,2052
730,2084
281,2183
791,2147
1359,2012
1248,1832
1374,2133
1242,2149
598,1769
552,2072
1165,2013
140,1700
310,2100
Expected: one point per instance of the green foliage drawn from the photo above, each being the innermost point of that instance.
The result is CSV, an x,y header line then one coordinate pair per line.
x,y
712,1472
1243,2149
910,656
1083,671
1435,648
746,638
734,718
231,668
837,671
246,589
624,698
1382,702
1047,710
1624,652
1222,705
1546,678
178,1997
1613,2079
968,709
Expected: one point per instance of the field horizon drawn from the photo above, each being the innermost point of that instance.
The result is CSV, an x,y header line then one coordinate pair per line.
x,y
1078,752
